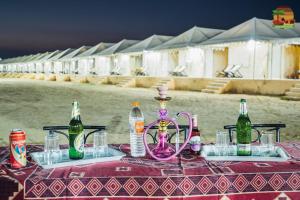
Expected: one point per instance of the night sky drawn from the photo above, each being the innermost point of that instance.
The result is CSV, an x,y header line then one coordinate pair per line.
x,y
36,26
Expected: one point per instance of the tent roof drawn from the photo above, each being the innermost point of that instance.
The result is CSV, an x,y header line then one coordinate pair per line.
x,y
147,43
15,59
50,55
123,44
254,29
75,53
9,60
96,49
39,57
190,37
30,58
61,54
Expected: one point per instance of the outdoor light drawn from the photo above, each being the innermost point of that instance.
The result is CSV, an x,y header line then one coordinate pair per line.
x,y
251,44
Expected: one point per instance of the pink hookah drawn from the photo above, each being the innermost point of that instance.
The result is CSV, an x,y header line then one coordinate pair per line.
x,y
164,151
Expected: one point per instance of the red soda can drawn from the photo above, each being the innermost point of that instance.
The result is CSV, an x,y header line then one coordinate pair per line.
x,y
17,139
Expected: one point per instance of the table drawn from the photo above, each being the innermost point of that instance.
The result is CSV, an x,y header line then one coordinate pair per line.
x,y
187,177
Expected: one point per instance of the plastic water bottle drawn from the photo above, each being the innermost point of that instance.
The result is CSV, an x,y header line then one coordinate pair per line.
x,y
136,126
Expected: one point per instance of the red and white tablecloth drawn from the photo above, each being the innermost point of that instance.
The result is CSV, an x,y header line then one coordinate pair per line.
x,y
187,177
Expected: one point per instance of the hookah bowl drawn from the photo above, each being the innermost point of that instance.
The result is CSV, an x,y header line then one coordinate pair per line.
x,y
164,150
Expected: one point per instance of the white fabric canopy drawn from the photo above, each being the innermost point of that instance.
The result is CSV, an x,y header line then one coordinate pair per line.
x,y
123,44
254,29
95,49
147,44
62,54
75,53
189,38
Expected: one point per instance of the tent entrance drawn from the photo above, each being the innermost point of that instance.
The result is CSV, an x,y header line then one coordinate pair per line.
x,y
136,61
220,60
292,62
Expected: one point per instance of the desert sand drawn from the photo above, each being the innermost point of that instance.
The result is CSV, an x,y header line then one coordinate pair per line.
x,y
32,104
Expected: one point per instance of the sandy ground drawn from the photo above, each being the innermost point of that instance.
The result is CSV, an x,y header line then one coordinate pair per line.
x,y
32,104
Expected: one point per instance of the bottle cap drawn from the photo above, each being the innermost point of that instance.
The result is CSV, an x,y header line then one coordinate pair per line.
x,y
243,100
135,104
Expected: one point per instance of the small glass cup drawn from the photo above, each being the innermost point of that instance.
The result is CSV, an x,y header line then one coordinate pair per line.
x,y
100,144
222,143
52,153
266,142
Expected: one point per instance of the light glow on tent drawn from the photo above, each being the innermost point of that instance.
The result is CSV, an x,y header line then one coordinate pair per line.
x,y
251,44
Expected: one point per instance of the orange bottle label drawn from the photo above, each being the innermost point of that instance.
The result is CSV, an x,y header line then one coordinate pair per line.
x,y
139,127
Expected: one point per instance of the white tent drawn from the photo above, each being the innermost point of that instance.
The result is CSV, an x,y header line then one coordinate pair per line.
x,y
112,64
132,57
24,65
33,63
88,62
252,45
29,66
40,64
70,62
54,65
180,53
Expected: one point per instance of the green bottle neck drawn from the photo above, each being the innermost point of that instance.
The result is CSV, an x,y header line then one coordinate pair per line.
x,y
75,111
243,109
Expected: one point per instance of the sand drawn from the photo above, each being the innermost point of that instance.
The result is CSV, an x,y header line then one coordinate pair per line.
x,y
32,104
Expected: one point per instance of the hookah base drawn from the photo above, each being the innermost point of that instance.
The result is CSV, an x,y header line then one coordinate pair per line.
x,y
163,152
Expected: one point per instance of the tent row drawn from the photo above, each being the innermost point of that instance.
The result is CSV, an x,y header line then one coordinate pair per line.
x,y
254,50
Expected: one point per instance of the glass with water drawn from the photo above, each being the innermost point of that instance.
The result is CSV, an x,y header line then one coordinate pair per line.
x,y
100,144
52,153
222,146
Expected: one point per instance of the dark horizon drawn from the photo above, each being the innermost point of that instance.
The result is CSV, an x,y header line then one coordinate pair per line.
x,y
38,26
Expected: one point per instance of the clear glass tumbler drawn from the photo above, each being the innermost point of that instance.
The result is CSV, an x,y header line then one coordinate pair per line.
x,y
266,142
100,144
222,143
52,153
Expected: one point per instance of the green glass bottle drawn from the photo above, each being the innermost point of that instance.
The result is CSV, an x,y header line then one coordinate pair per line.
x,y
243,131
76,134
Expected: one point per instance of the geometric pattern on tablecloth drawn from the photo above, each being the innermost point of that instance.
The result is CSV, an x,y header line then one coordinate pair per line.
x,y
76,174
166,186
39,189
276,182
94,186
57,187
223,184
123,169
150,186
240,183
294,181
205,185
37,185
282,196
36,179
186,186
76,186
113,186
258,182
131,186
260,164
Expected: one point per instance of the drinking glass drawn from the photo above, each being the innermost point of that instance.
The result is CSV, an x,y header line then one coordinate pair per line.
x,y
100,143
52,153
222,143
266,142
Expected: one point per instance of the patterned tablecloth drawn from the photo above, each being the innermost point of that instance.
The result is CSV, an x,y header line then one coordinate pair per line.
x,y
187,177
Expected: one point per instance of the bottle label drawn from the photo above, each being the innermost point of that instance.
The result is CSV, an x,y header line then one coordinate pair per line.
x,y
244,148
79,142
195,143
139,127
